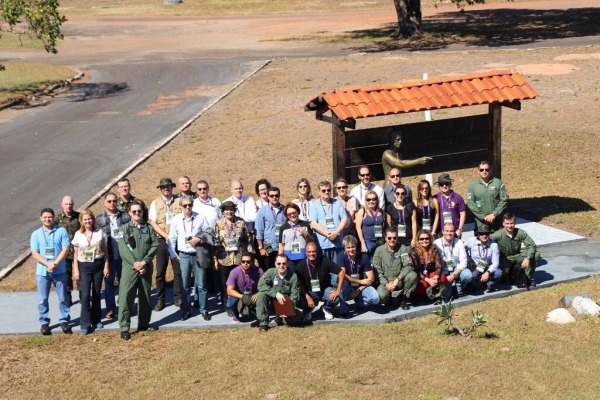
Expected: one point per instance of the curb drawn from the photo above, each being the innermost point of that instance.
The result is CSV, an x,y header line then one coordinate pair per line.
x,y
23,257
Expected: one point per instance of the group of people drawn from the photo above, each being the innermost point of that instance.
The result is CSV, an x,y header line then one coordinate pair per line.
x,y
373,245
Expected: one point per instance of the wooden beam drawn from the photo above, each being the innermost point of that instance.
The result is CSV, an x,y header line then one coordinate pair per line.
x,y
515,104
351,124
338,140
495,112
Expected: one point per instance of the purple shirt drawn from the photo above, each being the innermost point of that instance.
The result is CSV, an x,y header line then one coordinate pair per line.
x,y
242,282
455,204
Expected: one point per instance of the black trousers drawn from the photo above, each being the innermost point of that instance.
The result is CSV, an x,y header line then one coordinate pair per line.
x,y
162,262
90,283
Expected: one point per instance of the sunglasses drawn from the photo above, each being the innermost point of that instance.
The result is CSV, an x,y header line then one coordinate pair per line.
x,y
111,201
484,170
391,238
371,199
291,214
202,189
246,261
363,175
400,194
423,239
136,211
341,187
325,190
302,186
396,176
186,205
443,184
281,263
274,196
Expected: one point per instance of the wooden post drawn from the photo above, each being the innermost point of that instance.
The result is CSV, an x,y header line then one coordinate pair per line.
x,y
338,140
495,144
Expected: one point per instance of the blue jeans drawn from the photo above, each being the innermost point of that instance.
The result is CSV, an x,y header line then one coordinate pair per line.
x,y
371,246
341,299
368,297
331,253
464,278
44,283
109,284
187,263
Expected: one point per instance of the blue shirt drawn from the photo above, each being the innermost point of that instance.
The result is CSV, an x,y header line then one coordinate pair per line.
x,y
42,239
319,213
267,220
490,253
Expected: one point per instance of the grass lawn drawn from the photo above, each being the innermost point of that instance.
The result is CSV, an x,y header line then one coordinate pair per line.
x,y
517,355
22,78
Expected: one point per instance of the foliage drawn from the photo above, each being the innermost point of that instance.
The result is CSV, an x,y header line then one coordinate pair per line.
x,y
35,342
37,18
445,312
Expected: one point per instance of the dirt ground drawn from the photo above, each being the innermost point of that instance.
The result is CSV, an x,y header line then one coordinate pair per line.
x,y
260,130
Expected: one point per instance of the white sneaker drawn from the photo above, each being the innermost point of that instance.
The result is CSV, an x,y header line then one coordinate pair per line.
x,y
317,307
328,314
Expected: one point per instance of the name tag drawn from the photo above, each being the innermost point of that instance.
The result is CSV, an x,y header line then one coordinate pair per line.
x,y
450,264
296,248
89,255
447,216
49,253
329,222
378,231
427,224
401,230
277,229
231,244
481,266
314,284
275,282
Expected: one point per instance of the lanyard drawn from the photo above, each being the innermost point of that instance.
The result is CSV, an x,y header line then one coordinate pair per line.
x,y
374,217
308,268
401,216
168,204
294,228
428,208
191,226
90,239
305,206
229,232
485,252
446,202
352,265
330,207
275,213
51,235
451,248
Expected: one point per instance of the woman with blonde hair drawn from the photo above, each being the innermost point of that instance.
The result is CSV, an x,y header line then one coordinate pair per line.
x,y
90,265
370,224
303,198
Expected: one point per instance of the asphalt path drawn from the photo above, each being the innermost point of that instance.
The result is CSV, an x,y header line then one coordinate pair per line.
x,y
88,135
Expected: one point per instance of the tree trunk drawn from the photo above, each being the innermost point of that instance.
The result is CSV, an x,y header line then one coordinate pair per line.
x,y
409,17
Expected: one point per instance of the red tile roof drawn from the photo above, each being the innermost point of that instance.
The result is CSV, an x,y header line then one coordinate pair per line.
x,y
418,95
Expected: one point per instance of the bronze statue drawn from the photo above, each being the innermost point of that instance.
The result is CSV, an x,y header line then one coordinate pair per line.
x,y
391,157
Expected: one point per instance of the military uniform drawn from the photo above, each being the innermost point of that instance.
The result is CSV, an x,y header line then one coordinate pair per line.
x,y
511,252
484,199
136,243
391,265
71,224
269,285
122,206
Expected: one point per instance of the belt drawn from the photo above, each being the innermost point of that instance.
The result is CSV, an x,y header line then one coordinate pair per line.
x,y
189,254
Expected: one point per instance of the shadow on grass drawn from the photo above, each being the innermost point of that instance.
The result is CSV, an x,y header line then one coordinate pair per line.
x,y
536,208
492,28
92,91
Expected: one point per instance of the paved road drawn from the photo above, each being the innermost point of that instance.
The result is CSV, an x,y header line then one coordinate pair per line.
x,y
90,134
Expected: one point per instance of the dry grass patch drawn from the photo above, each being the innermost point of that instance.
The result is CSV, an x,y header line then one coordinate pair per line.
x,y
416,358
22,78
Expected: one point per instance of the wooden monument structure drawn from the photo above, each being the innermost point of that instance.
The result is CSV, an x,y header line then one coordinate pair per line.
x,y
453,143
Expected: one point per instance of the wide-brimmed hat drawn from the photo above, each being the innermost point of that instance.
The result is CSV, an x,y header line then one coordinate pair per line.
x,y
484,229
228,204
444,178
165,182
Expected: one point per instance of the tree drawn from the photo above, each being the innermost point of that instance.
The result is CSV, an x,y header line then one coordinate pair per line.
x,y
39,19
409,15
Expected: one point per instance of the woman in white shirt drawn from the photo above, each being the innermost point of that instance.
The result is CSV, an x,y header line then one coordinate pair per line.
x,y
90,265
303,198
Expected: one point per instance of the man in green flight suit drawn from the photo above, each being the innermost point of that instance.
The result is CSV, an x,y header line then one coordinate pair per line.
x,y
273,286
487,198
517,250
137,247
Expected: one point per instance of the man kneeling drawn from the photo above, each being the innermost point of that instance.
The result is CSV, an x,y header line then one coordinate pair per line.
x,y
484,258
277,284
242,288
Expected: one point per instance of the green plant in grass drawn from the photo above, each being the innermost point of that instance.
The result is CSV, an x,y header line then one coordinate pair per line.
x,y
445,312
35,342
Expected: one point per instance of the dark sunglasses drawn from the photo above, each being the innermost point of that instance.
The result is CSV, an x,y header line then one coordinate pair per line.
x,y
423,239
341,187
363,175
396,176
246,261
400,194
111,201
325,190
273,196
136,211
484,169
186,205
372,199
392,238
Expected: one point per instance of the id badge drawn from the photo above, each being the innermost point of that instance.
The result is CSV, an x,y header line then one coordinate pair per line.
x,y
231,244
427,224
450,264
447,217
401,230
314,284
277,229
276,282
88,255
49,253
481,266
168,217
378,231
296,248
329,222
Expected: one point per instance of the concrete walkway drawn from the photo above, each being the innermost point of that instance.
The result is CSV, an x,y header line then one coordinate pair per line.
x,y
565,257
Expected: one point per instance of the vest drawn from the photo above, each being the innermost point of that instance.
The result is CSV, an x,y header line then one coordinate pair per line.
x,y
161,212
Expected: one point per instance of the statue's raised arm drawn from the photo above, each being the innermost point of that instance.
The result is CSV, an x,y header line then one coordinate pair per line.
x,y
391,157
